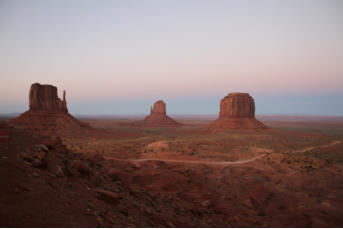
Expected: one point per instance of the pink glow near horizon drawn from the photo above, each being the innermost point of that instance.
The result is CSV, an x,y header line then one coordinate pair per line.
x,y
124,49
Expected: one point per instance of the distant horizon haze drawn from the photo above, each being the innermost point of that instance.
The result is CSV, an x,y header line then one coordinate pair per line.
x,y
189,105
119,57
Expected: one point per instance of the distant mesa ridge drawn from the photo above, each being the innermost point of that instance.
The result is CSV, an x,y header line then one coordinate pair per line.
x,y
158,117
49,115
237,111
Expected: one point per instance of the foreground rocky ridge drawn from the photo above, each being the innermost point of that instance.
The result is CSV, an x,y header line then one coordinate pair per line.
x,y
46,185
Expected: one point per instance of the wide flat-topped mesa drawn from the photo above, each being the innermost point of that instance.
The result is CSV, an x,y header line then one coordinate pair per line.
x,y
44,97
237,105
158,117
237,111
48,114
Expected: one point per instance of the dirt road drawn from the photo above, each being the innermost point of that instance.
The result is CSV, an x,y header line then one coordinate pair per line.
x,y
335,142
191,162
220,162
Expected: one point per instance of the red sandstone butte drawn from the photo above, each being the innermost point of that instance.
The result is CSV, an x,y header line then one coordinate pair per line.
x,y
158,117
48,114
44,97
237,112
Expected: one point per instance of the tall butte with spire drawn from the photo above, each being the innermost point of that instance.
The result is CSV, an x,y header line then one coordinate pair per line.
x,y
47,113
158,117
237,112
44,97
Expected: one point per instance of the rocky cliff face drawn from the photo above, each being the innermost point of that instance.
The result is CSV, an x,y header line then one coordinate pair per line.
x,y
48,115
44,97
237,112
237,105
158,108
158,117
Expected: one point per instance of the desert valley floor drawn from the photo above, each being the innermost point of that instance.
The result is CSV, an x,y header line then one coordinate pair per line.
x,y
120,175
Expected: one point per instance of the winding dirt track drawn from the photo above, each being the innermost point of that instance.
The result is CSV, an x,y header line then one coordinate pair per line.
x,y
191,162
218,162
335,142
203,162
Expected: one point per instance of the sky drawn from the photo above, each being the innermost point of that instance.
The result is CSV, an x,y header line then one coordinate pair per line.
x,y
119,56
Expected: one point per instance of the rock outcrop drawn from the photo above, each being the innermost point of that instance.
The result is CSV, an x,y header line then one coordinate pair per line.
x,y
44,97
158,108
158,117
48,114
237,105
3,133
237,112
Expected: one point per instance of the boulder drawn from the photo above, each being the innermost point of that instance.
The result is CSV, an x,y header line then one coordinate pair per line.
x,y
109,197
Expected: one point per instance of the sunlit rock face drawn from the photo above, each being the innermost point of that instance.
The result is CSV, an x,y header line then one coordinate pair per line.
x,y
158,108
237,105
44,97
237,112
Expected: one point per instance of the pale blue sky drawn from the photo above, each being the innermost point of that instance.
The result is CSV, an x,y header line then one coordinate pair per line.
x,y
118,57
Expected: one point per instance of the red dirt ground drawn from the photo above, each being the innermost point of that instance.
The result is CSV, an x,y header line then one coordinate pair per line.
x,y
193,180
